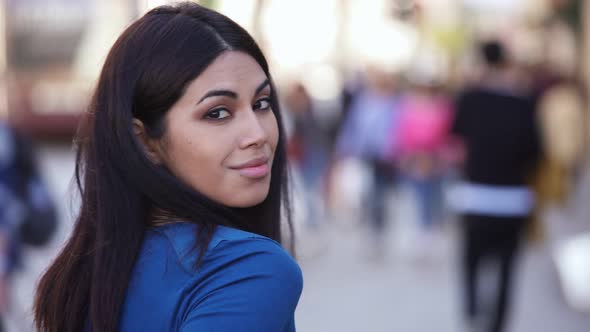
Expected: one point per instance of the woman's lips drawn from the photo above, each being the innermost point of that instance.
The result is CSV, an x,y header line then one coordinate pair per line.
x,y
255,168
255,172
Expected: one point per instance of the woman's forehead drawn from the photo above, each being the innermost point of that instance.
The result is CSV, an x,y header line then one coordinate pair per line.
x,y
231,70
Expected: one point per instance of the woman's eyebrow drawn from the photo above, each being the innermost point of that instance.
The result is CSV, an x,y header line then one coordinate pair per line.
x,y
214,93
262,86
232,94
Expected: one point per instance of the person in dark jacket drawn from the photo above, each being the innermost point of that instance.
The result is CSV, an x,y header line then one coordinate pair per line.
x,y
496,121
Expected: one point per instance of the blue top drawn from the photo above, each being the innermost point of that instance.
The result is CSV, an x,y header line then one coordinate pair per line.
x,y
246,282
366,131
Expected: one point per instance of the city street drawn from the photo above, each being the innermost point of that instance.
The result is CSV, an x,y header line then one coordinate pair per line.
x,y
347,288
346,292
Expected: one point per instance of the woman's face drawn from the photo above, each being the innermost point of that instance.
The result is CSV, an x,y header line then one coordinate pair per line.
x,y
221,135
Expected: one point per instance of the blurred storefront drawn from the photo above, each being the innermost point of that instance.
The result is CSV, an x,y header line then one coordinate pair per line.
x,y
52,50
53,53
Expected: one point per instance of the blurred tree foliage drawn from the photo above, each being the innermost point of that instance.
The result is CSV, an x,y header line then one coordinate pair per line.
x,y
208,3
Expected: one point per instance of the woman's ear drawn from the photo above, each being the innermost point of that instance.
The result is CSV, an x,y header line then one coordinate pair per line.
x,y
150,146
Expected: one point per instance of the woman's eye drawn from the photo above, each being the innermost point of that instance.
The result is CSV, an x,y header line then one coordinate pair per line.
x,y
217,114
262,104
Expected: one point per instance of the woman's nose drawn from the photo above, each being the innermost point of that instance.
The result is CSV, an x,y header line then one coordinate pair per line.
x,y
254,131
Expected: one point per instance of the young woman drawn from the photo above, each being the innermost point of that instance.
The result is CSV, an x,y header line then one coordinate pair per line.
x,y
182,171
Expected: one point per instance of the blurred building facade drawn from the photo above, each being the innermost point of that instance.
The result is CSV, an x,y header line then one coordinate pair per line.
x,y
51,50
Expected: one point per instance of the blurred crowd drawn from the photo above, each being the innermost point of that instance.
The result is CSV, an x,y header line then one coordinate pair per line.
x,y
491,152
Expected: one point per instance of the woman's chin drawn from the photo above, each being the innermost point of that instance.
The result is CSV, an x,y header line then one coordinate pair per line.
x,y
246,200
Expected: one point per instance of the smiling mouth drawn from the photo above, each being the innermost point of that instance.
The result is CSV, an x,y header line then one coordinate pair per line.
x,y
254,169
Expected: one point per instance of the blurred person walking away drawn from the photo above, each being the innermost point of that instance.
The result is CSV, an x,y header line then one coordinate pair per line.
x,y
423,138
11,214
497,124
309,150
27,213
364,136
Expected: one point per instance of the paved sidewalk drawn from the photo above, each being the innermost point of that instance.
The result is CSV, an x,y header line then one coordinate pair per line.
x,y
345,292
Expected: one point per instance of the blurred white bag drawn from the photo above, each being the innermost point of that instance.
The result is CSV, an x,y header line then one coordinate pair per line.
x,y
350,183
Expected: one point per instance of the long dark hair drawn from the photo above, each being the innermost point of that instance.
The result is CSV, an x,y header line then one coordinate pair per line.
x,y
146,72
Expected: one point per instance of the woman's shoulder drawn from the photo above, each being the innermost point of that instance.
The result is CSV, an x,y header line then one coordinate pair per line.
x,y
228,245
235,261
252,251
236,265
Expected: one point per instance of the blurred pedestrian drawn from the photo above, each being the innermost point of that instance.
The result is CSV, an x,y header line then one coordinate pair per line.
x,y
364,135
11,215
27,212
496,121
182,167
309,150
561,116
423,136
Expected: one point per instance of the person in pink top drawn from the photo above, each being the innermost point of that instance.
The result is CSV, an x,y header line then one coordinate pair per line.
x,y
422,138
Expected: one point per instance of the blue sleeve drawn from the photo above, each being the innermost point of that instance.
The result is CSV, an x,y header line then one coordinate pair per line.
x,y
252,289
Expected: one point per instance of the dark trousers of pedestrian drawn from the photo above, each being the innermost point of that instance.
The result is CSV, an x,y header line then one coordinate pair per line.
x,y
382,173
495,240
